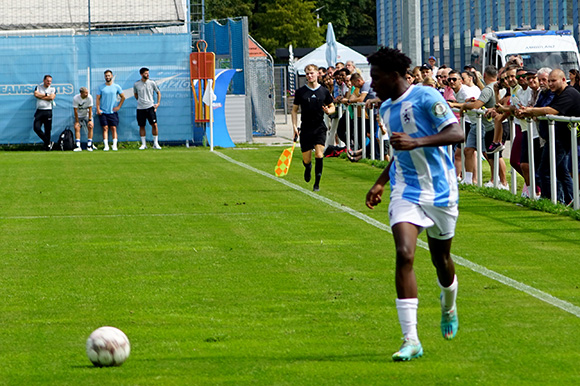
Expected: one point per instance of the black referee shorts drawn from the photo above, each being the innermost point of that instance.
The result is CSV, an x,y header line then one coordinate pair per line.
x,y
309,138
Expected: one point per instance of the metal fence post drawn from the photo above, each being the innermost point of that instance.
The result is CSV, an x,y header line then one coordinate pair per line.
x,y
372,131
479,146
531,160
552,144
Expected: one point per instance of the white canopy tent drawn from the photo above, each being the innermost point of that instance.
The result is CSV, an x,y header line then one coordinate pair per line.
x,y
344,53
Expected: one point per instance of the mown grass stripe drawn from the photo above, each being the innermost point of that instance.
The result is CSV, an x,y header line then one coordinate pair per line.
x,y
536,293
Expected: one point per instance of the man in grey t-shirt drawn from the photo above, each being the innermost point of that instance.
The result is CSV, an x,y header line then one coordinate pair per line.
x,y
144,90
486,100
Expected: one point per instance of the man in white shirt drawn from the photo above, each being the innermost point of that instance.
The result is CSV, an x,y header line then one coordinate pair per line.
x,y
83,108
45,95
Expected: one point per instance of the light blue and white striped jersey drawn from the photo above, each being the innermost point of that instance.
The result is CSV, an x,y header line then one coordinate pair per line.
x,y
425,175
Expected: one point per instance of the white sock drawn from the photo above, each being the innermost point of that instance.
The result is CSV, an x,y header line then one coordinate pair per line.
x,y
78,142
90,142
143,141
407,311
449,295
155,139
468,178
115,142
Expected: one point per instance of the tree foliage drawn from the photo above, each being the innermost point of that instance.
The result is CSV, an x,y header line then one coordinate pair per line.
x,y
279,23
286,22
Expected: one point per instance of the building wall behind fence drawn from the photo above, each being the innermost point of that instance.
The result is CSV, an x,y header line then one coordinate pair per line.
x,y
449,26
70,59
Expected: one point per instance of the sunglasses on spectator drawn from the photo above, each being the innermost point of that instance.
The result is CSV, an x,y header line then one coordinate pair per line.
x,y
440,76
452,79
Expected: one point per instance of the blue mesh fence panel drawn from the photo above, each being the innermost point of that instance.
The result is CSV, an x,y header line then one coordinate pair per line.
x,y
67,58
237,55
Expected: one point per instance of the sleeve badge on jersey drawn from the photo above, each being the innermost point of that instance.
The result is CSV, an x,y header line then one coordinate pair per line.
x,y
440,109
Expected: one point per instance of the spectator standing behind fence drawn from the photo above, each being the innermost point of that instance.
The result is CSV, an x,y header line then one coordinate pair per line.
x,y
485,100
432,62
424,191
45,95
566,102
107,108
545,97
504,111
351,67
314,101
465,90
83,110
143,90
533,93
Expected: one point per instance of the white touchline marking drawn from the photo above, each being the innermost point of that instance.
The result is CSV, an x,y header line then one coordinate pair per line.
x,y
541,295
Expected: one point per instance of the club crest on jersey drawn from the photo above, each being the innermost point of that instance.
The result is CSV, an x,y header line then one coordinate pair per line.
x,y
439,109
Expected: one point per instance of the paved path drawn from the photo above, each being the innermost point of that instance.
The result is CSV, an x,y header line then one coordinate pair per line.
x,y
283,134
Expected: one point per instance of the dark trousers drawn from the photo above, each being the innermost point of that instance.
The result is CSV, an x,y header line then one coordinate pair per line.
x,y
43,117
565,185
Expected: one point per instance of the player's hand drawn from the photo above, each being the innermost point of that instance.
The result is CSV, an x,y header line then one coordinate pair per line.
x,y
155,107
402,141
116,108
99,111
296,134
374,196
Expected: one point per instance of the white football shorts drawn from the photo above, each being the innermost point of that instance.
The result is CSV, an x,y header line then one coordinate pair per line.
x,y
439,221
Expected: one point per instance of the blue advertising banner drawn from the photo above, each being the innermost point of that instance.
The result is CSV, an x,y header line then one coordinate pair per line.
x,y
76,61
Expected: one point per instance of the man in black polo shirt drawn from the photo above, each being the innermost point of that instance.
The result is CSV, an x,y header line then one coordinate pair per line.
x,y
566,102
314,101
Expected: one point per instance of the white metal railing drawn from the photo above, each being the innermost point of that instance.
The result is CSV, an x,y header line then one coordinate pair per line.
x,y
359,128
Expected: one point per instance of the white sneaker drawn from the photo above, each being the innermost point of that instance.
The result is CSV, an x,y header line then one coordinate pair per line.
x,y
114,148
503,187
156,146
488,184
77,149
142,147
106,148
90,148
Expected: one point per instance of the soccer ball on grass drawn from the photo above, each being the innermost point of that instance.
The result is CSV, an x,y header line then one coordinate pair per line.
x,y
108,346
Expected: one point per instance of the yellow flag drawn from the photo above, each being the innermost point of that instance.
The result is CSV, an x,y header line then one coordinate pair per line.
x,y
283,164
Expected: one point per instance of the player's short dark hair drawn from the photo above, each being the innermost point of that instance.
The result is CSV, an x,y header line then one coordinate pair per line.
x,y
390,60
47,76
142,70
108,71
453,72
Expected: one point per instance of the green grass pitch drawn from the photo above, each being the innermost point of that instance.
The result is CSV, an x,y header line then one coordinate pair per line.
x,y
221,275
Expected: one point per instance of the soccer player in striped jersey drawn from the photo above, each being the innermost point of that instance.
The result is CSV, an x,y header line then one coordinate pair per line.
x,y
424,192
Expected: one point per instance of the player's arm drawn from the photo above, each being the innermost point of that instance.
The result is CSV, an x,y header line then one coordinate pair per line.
x,y
43,96
90,113
375,194
158,100
329,109
76,110
476,104
536,111
450,134
118,107
294,115
99,112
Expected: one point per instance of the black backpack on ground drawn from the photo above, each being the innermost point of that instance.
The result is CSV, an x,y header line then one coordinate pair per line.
x,y
65,141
